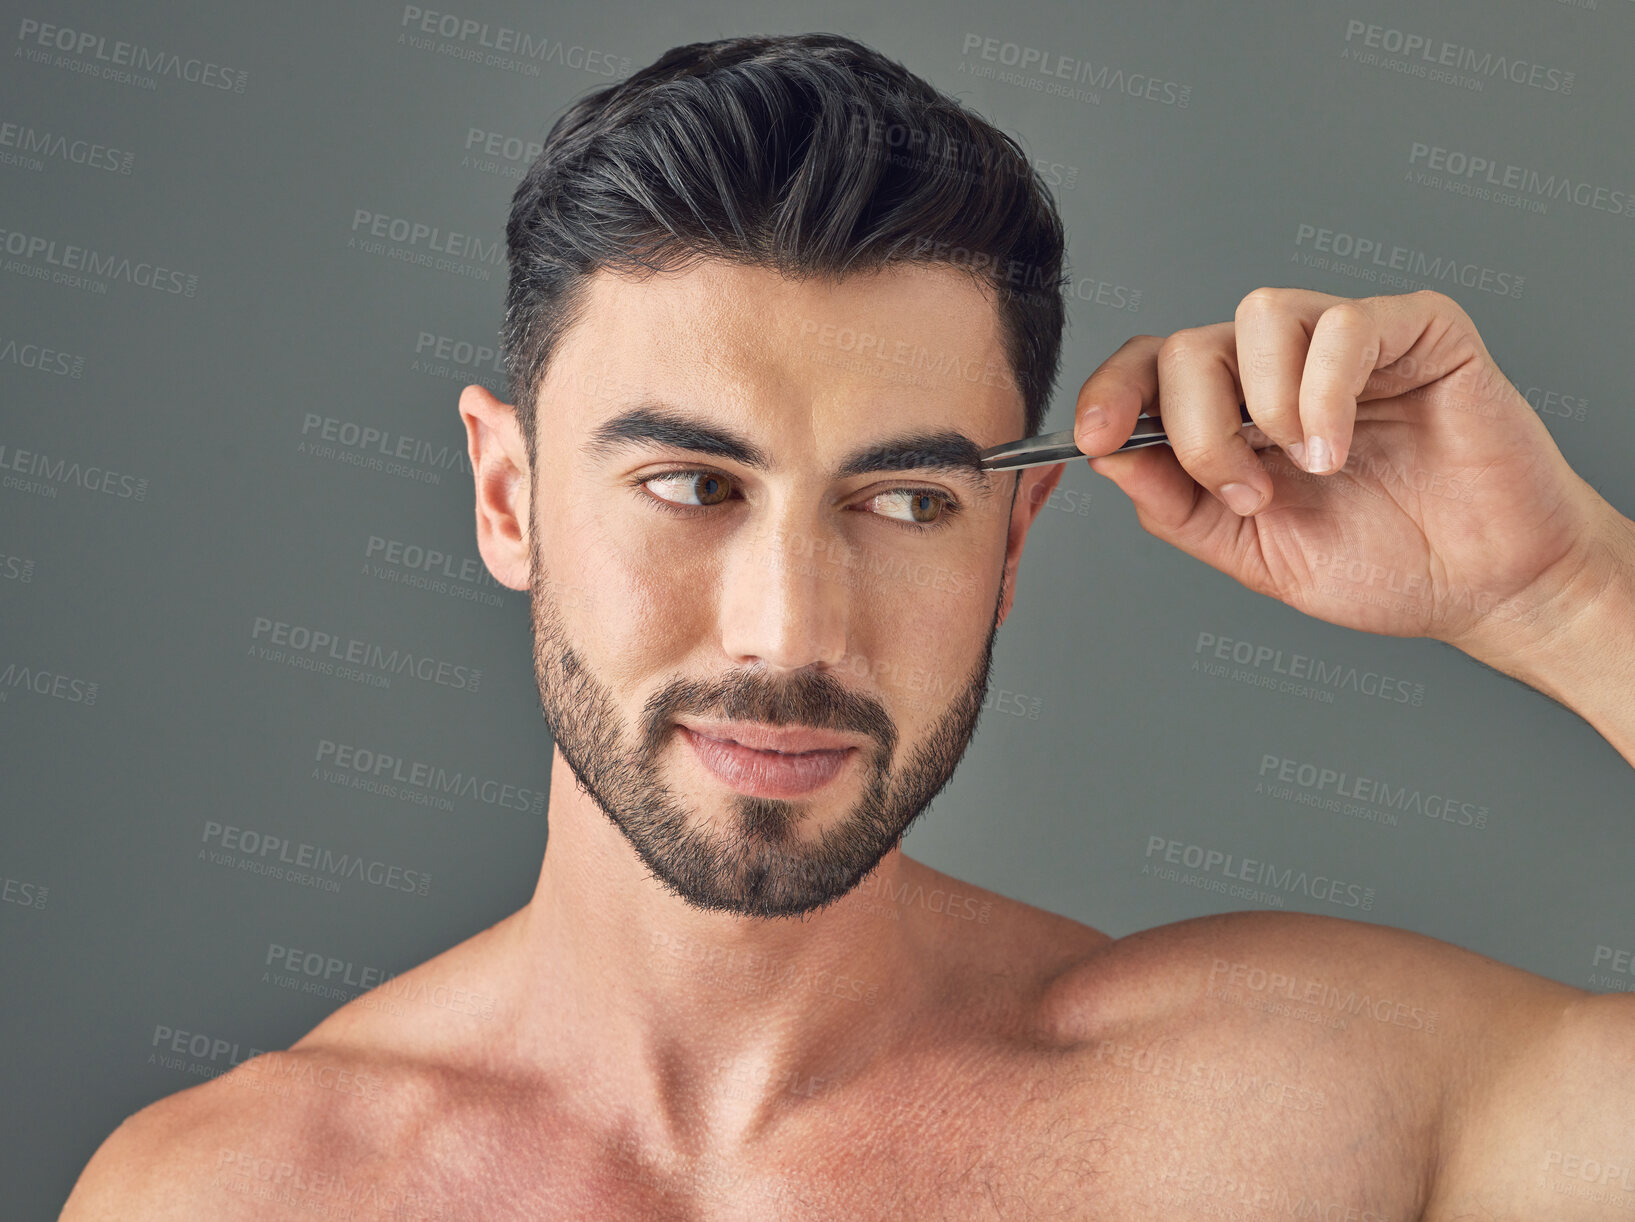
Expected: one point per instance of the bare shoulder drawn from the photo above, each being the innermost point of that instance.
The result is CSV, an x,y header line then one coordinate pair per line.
x,y
184,1155
120,1179
1432,1002
1335,943
1361,1037
310,1127
1521,1089
280,1129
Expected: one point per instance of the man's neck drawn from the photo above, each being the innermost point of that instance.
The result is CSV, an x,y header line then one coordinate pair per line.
x,y
715,1023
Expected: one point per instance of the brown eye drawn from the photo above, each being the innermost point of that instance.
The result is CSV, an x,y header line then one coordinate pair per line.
x,y
711,489
698,487
925,508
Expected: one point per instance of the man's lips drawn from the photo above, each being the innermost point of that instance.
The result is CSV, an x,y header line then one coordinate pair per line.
x,y
786,740
769,772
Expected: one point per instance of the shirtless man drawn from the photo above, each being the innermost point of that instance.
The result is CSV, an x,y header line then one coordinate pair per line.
x,y
748,541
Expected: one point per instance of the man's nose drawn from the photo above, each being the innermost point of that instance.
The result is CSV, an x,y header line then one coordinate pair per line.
x,y
787,594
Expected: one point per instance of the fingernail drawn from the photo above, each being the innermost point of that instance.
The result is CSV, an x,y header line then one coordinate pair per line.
x,y
1317,455
1297,451
1091,421
1240,498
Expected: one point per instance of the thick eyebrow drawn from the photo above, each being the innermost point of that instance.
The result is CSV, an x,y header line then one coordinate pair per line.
x,y
946,451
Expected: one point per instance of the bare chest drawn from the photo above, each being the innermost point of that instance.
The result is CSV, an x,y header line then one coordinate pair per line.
x,y
1144,1129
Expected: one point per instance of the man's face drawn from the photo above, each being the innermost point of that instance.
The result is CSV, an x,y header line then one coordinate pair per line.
x,y
755,510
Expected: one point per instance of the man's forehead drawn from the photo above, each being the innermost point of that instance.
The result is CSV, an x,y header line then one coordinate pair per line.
x,y
903,346
711,293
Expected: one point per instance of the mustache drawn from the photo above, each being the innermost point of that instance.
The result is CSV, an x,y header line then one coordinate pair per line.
x,y
807,698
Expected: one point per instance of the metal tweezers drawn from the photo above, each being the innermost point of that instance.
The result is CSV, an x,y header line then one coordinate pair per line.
x,y
1060,447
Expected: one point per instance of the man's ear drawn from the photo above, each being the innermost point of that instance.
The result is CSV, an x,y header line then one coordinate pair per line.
x,y
1033,489
499,468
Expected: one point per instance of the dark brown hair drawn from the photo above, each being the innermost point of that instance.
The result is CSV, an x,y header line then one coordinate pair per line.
x,y
810,154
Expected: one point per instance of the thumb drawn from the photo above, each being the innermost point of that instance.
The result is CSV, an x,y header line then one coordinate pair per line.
x,y
1164,495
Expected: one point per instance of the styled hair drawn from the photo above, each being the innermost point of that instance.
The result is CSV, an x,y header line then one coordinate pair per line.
x,y
810,154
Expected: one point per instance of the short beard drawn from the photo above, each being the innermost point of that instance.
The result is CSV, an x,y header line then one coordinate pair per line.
x,y
762,868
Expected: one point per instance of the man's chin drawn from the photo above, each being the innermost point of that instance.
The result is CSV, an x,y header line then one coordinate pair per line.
x,y
756,885
761,857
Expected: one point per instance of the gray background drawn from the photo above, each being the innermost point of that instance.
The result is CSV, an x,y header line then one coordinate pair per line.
x,y
114,927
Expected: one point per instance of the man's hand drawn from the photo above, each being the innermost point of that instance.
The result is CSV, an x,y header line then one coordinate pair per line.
x,y
1430,499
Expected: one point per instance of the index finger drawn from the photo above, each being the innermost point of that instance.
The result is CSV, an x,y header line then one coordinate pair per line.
x,y
1122,387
